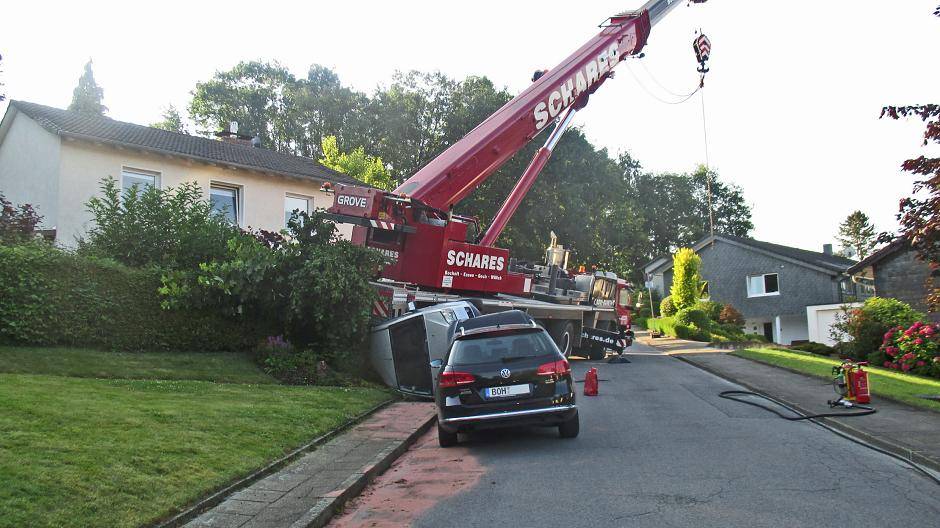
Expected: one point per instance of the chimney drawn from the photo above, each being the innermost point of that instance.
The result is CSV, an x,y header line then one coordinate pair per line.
x,y
827,249
232,136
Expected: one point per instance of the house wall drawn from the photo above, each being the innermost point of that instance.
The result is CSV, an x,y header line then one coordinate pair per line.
x,y
901,276
790,328
83,165
29,166
726,267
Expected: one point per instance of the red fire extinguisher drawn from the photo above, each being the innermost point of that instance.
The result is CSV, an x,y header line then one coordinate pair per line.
x,y
858,381
590,382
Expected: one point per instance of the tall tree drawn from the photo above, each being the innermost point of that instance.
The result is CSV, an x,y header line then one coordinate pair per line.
x,y
172,121
258,96
324,107
857,236
731,213
358,164
87,96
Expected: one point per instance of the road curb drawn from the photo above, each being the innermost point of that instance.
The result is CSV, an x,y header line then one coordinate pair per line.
x,y
903,452
326,508
216,497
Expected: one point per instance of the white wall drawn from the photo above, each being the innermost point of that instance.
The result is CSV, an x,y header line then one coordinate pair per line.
x,y
83,165
29,166
790,328
755,326
819,320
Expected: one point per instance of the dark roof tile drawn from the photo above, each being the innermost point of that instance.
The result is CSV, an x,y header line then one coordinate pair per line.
x,y
107,130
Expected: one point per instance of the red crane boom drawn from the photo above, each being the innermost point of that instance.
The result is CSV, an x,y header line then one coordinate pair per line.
x,y
414,224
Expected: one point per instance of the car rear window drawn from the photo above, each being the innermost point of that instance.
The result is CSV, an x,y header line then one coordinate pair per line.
x,y
480,350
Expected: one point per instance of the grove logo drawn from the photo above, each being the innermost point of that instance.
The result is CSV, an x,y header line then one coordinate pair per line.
x,y
351,201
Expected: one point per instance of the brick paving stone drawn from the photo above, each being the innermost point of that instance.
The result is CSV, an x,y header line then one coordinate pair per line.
x,y
299,492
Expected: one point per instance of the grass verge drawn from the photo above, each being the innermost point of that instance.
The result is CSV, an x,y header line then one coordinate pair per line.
x,y
884,382
77,451
223,367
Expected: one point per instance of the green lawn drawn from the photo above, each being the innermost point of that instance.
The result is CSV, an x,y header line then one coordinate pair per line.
x,y
83,363
77,451
883,382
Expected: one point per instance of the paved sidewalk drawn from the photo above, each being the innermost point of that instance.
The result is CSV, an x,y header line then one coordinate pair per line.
x,y
904,430
309,490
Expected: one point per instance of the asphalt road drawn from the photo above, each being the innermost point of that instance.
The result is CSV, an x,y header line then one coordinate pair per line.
x,y
657,448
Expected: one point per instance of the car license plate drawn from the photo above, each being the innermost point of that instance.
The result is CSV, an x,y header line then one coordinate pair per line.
x,y
507,391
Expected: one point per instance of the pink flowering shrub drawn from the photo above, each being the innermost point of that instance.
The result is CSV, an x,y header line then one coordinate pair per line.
x,y
915,349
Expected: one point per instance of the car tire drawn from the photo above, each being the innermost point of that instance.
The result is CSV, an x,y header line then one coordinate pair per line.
x,y
570,428
445,438
562,333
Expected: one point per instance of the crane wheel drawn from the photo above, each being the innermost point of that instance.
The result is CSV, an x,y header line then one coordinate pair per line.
x,y
562,333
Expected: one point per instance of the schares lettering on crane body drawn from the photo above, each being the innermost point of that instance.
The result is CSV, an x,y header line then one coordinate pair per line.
x,y
574,86
475,260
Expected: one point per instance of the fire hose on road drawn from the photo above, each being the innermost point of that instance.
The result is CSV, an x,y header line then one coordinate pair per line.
x,y
851,384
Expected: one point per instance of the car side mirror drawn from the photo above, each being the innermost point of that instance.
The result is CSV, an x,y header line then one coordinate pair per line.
x,y
437,363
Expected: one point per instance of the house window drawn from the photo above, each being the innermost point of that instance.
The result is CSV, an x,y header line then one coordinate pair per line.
x,y
295,203
760,285
225,201
142,179
847,286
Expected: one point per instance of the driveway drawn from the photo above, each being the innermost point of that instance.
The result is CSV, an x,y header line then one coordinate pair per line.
x,y
657,448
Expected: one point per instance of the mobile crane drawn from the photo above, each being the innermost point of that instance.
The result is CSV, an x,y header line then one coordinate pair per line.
x,y
432,259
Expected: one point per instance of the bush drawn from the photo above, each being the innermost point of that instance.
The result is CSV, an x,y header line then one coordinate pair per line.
x,y
815,348
17,223
170,228
867,325
663,325
691,332
667,308
758,338
915,349
692,316
51,297
295,367
682,331
712,309
686,281
313,288
730,316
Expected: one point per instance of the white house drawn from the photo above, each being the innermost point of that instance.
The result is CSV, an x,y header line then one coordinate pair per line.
x,y
55,159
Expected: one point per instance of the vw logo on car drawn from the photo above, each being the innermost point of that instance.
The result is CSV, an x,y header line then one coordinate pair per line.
x,y
505,373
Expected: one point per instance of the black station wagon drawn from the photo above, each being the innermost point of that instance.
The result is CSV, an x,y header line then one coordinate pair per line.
x,y
503,370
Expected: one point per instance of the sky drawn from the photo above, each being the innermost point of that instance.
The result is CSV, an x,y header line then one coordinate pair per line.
x,y
791,103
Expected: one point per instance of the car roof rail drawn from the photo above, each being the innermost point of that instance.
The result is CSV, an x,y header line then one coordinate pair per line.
x,y
497,328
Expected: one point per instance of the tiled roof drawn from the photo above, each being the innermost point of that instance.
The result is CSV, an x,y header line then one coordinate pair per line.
x,y
896,245
110,131
834,263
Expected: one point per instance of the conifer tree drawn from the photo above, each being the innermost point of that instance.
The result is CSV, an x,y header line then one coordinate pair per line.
x,y
87,96
857,236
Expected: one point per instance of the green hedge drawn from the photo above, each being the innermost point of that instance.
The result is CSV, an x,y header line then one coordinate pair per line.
x,y
52,297
663,325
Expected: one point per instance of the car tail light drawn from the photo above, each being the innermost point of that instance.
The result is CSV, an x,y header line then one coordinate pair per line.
x,y
559,368
454,379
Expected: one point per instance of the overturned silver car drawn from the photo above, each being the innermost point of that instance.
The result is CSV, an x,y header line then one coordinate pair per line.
x,y
402,348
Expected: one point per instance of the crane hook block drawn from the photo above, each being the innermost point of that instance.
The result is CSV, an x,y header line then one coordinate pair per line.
x,y
703,48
